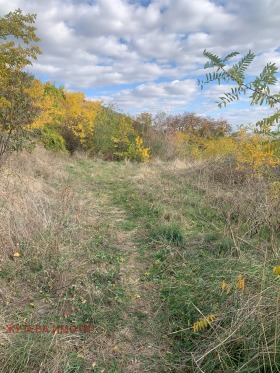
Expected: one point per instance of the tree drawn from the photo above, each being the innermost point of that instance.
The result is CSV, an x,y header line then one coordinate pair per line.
x,y
17,26
259,88
17,109
16,112
192,124
142,122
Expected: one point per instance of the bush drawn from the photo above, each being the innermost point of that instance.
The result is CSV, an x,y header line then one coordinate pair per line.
x,y
52,140
72,142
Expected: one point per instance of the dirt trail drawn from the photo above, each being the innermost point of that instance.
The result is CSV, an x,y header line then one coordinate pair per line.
x,y
139,339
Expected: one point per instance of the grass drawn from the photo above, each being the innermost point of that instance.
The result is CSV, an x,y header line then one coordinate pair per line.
x,y
139,253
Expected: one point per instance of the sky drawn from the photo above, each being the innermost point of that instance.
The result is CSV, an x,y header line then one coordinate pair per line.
x,y
146,55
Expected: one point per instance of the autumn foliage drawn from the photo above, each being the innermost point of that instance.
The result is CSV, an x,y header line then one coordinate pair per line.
x,y
67,121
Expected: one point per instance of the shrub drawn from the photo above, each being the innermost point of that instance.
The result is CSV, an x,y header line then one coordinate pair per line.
x,y
52,140
72,142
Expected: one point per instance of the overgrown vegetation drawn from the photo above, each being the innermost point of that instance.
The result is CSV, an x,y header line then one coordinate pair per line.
x,y
172,264
67,120
211,238
17,107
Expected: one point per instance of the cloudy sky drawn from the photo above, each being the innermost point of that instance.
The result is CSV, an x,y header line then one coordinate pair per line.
x,y
146,55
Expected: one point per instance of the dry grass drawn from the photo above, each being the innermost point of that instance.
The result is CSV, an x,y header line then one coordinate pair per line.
x,y
74,221
246,202
208,222
44,218
56,212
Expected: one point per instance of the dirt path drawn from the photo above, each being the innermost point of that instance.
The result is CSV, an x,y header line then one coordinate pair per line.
x,y
139,341
86,265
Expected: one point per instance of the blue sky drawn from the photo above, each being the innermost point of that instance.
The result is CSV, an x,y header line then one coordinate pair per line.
x,y
147,55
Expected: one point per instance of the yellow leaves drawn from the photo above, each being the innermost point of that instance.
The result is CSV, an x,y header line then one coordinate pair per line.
x,y
252,149
131,149
48,105
228,289
16,255
200,147
140,151
58,107
276,270
255,151
224,285
67,119
218,147
139,141
126,142
240,283
79,114
203,323
4,103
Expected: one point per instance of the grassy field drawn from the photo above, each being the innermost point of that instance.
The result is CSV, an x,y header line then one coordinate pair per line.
x,y
169,264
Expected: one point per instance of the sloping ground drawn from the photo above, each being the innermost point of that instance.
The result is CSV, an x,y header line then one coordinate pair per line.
x,y
78,265
135,255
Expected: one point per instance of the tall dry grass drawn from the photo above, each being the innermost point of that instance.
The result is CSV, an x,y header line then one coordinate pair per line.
x,y
38,209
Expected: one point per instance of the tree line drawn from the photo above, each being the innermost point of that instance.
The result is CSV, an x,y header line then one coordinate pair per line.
x,y
31,111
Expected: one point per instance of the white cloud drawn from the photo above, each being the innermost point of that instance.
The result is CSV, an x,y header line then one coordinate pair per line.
x,y
110,44
153,97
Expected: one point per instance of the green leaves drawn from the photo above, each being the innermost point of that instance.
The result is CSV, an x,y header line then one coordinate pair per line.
x,y
259,87
237,71
17,26
214,60
230,96
268,74
17,108
230,55
269,121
